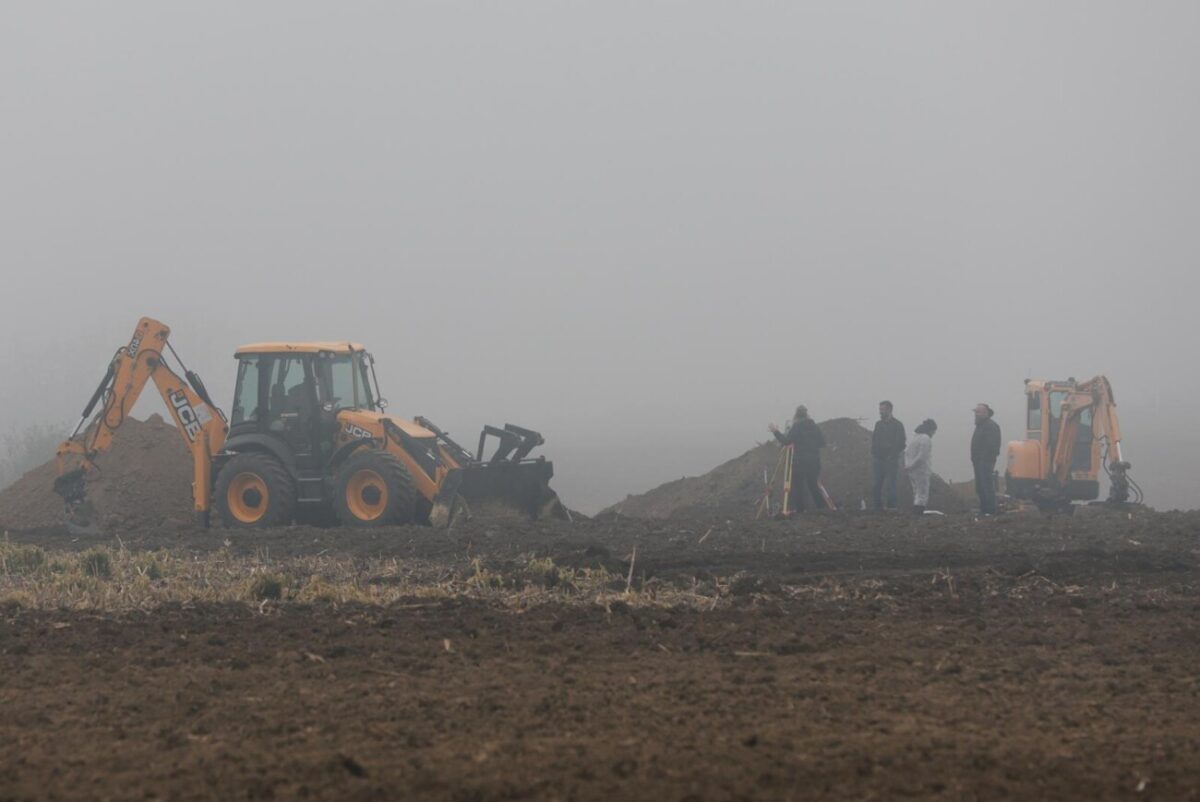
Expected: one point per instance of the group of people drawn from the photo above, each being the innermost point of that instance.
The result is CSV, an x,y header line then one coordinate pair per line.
x,y
890,446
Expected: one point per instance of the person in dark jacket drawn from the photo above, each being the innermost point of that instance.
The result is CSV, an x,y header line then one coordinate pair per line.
x,y
985,448
806,440
887,445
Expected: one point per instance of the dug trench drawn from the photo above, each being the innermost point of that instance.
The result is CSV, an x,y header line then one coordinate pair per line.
x,y
837,656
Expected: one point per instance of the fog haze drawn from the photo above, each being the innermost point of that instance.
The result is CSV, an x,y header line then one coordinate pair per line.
x,y
644,229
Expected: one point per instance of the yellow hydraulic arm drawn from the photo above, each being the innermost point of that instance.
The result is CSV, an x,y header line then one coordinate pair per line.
x,y
1095,394
201,424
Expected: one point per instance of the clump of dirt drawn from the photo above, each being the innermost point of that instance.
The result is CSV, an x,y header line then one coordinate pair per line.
x,y
733,488
145,479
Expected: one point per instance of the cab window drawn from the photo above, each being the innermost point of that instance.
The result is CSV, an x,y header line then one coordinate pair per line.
x,y
245,394
1034,423
365,380
1081,460
289,391
343,382
1056,402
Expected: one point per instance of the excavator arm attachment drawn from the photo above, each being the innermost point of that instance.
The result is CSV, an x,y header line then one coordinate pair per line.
x,y
199,421
1096,396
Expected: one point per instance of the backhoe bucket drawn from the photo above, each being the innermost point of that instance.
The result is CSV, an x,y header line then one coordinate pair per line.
x,y
72,487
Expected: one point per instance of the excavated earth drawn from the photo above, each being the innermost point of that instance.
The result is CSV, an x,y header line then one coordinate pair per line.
x,y
145,479
840,657
737,485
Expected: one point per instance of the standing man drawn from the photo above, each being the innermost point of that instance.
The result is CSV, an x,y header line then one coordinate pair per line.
x,y
985,448
806,440
918,461
887,444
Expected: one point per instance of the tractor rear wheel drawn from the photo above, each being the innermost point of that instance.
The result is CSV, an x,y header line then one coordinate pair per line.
x,y
254,491
373,488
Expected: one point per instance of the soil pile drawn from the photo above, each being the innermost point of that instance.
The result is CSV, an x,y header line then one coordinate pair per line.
x,y
734,488
144,480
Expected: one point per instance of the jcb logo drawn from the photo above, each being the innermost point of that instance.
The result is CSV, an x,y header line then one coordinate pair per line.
x,y
188,420
358,432
134,345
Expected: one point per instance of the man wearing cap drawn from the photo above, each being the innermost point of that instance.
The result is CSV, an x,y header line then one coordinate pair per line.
x,y
985,448
806,440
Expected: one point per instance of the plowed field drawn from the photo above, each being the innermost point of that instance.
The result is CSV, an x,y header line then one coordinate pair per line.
x,y
832,657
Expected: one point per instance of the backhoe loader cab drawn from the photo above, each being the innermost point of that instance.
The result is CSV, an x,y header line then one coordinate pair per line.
x,y
308,430
337,375
293,393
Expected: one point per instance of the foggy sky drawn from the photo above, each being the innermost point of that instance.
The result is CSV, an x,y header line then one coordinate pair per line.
x,y
645,229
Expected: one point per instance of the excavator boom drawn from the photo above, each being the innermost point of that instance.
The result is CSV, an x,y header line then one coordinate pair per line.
x,y
1094,396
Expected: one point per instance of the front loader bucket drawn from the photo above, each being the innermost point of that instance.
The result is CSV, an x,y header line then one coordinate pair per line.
x,y
499,489
509,484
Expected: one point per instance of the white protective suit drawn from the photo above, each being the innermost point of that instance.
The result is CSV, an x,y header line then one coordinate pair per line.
x,y
918,461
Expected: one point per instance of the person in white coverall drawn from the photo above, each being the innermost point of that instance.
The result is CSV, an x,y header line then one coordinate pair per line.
x,y
918,461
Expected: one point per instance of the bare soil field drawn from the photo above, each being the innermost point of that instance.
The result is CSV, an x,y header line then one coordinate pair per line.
x,y
831,657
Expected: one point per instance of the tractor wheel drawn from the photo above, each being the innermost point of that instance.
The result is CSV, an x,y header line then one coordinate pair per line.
x,y
254,491
373,488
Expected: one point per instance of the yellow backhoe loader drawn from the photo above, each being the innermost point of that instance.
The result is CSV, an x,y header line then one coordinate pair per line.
x,y
1071,434
308,429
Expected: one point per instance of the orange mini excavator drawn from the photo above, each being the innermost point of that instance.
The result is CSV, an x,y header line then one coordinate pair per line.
x,y
307,430
1072,434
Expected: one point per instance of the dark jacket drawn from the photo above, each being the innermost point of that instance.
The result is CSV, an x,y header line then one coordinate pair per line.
x,y
888,439
806,436
985,443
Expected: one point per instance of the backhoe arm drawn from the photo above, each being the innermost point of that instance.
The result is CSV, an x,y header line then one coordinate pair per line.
x,y
1097,396
1106,419
201,424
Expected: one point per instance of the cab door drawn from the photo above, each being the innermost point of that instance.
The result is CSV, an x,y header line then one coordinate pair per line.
x,y
291,408
335,391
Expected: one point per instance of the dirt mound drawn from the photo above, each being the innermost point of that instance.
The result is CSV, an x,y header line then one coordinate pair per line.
x,y
143,480
732,489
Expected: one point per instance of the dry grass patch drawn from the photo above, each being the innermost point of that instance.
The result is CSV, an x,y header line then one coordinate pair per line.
x,y
116,579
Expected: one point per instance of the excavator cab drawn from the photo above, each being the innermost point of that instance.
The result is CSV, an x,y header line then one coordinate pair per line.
x,y
1071,436
1043,433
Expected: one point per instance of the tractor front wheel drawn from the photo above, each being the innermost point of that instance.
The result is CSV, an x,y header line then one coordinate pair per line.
x,y
254,491
374,488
